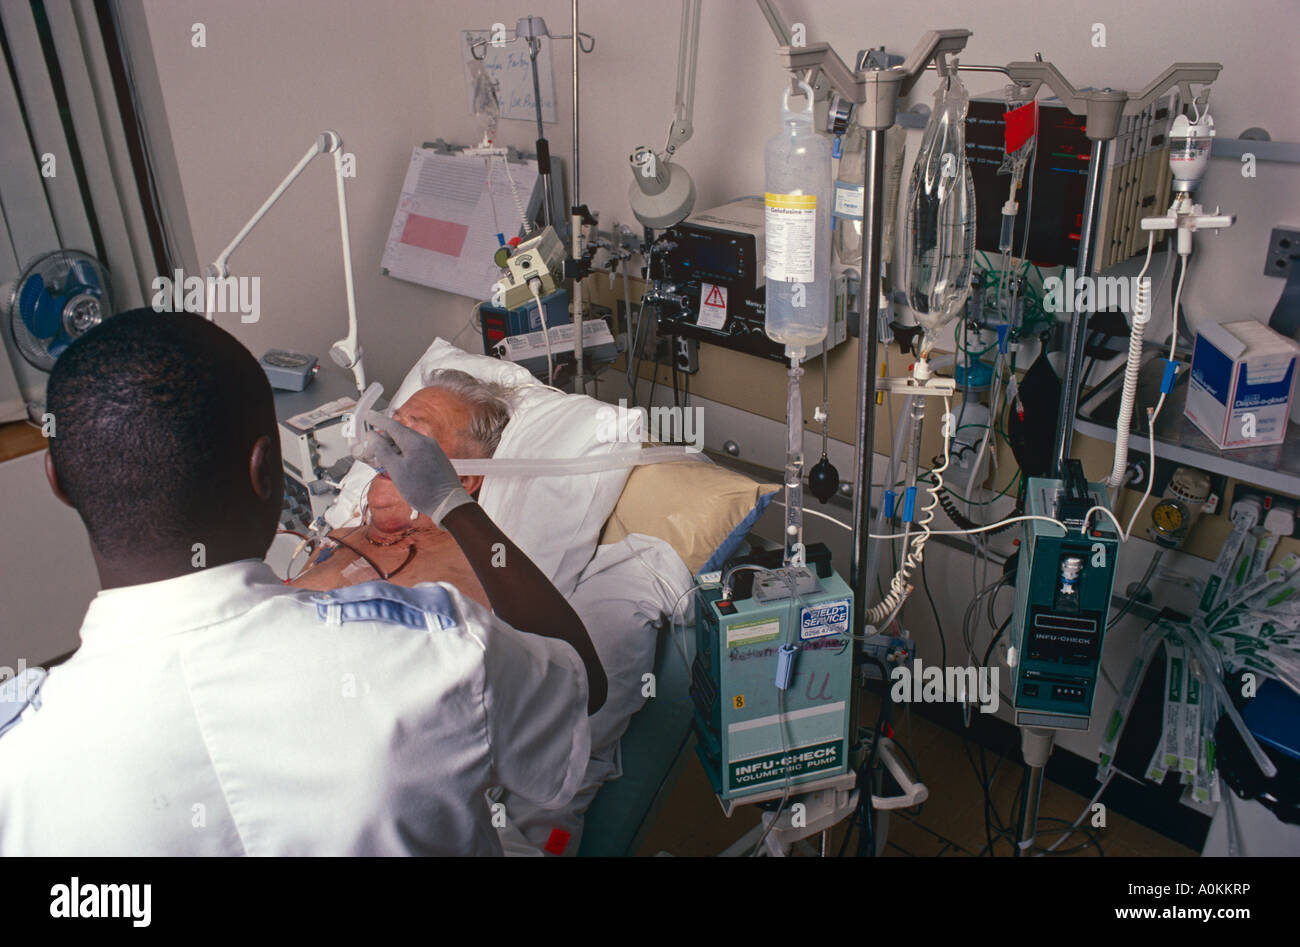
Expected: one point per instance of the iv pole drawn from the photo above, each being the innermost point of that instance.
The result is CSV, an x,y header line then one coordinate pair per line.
x,y
1102,109
345,352
876,92
531,29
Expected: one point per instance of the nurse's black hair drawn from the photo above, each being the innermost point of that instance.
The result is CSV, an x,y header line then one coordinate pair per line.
x,y
155,416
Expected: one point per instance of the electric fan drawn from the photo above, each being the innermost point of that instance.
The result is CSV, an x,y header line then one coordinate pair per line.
x,y
57,297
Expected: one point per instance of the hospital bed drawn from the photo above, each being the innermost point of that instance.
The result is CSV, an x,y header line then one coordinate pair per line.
x,y
676,518
655,747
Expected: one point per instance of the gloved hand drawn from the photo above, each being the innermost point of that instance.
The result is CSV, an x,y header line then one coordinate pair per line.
x,y
420,470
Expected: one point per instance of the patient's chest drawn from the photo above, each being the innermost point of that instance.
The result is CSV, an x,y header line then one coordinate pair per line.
x,y
424,556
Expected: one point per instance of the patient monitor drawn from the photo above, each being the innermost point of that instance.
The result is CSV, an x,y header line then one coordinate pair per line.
x,y
314,446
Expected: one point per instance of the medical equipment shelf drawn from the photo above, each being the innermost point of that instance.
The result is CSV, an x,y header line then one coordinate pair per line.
x,y
1272,468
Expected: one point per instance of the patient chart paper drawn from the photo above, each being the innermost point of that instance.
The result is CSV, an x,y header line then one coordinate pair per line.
x,y
448,216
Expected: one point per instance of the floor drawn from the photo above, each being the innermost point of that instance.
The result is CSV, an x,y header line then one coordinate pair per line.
x,y
950,823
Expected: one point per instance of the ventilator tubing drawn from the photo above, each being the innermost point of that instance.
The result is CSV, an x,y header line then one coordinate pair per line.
x,y
568,466
362,446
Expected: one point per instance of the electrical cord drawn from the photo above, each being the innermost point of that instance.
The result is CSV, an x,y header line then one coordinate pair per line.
x,y
862,821
535,284
960,519
988,652
938,624
1152,415
519,204
1141,586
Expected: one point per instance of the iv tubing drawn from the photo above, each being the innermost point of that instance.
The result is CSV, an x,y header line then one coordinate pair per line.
x,y
793,538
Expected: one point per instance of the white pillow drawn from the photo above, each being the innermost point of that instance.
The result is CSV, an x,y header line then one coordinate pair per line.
x,y
555,521
442,354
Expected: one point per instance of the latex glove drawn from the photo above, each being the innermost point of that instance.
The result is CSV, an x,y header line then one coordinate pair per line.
x,y
420,470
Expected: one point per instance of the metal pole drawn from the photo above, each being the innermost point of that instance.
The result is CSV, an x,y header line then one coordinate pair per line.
x,y
534,46
1073,376
873,202
575,227
1036,747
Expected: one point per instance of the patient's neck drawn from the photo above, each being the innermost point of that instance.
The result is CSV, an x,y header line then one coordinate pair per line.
x,y
389,532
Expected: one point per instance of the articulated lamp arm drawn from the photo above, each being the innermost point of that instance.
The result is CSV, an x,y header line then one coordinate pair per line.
x,y
345,352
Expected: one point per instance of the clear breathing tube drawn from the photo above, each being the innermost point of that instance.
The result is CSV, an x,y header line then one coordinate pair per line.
x,y
794,549
568,466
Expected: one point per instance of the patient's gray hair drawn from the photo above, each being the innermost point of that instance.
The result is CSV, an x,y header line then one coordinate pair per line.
x,y
488,401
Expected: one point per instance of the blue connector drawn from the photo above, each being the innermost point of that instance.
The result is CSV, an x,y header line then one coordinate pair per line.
x,y
1002,338
909,504
785,665
891,501
837,148
1171,372
501,240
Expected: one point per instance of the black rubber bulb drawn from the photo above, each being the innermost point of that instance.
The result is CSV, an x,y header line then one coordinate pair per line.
x,y
823,480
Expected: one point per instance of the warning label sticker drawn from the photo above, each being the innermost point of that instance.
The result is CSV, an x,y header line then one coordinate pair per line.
x,y
713,306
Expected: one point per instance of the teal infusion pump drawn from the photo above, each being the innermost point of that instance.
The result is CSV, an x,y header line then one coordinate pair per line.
x,y
1063,589
747,745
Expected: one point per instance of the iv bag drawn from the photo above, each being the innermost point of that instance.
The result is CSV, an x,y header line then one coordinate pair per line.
x,y
487,106
797,229
940,239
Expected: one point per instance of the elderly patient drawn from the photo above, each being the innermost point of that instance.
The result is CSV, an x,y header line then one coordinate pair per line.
x,y
466,417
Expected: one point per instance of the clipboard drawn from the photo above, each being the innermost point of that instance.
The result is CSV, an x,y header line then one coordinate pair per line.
x,y
451,208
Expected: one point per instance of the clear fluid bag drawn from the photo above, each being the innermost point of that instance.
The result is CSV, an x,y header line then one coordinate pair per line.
x,y
940,240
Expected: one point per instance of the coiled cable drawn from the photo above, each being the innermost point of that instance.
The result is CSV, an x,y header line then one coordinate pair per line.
x,y
899,589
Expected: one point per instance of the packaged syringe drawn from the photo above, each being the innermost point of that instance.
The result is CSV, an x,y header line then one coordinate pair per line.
x,y
1244,520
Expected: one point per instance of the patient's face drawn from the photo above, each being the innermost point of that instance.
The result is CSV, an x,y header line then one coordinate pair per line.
x,y
434,413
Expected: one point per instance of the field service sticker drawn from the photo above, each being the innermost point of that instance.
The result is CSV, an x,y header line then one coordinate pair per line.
x,y
818,621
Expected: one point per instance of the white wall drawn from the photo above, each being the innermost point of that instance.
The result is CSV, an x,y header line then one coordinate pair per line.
x,y
387,75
